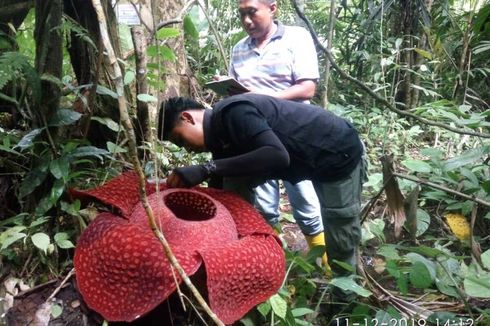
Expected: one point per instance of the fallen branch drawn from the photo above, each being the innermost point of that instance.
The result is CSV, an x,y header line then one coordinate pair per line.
x,y
448,190
378,98
116,76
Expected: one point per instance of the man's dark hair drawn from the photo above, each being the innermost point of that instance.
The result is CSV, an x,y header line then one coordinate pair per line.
x,y
170,112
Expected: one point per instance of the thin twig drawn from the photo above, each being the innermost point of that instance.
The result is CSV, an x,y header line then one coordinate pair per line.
x,y
55,292
458,130
451,191
130,135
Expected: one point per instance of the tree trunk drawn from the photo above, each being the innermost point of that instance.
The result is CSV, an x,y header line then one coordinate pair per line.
x,y
174,77
49,55
419,59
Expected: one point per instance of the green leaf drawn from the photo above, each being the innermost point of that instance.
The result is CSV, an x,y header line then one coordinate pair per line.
x,y
402,283
348,284
114,149
90,151
424,53
129,77
298,312
486,186
423,222
168,54
417,166
56,311
60,167
383,318
279,305
28,139
11,235
393,269
441,318
62,241
167,32
264,308
146,98
477,285
64,117
471,156
109,123
485,257
430,265
32,181
41,240
420,276
190,29
106,91
389,251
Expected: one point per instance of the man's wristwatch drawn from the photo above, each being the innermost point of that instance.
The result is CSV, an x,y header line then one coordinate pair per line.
x,y
210,167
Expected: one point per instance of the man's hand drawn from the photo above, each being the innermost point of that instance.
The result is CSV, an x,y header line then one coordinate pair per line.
x,y
188,176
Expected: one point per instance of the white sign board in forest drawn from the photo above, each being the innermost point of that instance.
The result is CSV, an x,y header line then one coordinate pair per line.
x,y
126,14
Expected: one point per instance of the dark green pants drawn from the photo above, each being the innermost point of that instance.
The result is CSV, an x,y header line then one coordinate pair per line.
x,y
340,203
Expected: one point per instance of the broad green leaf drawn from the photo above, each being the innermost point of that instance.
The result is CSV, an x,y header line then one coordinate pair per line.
x,y
167,32
190,29
129,77
167,53
393,269
11,235
383,318
64,117
41,240
485,257
417,166
389,251
56,310
348,284
90,151
442,318
424,250
109,123
114,149
279,305
264,308
423,221
60,167
247,321
28,139
31,182
424,53
62,241
471,156
147,98
39,221
298,312
420,276
106,91
486,186
402,283
430,265
477,286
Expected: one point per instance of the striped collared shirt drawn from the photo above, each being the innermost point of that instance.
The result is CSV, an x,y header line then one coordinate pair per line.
x,y
288,57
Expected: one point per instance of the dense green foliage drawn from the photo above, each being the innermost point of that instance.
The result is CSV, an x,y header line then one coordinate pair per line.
x,y
428,59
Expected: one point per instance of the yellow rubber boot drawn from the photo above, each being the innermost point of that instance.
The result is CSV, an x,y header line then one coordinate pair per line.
x,y
319,240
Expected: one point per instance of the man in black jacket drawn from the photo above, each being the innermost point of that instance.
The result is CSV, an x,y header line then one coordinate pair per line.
x,y
257,137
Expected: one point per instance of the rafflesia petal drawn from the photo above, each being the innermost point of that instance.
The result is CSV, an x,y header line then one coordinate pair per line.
x,y
123,273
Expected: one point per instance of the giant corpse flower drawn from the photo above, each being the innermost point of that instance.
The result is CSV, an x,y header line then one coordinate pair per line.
x,y
123,272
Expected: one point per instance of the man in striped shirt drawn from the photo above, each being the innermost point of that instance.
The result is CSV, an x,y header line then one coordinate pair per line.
x,y
279,61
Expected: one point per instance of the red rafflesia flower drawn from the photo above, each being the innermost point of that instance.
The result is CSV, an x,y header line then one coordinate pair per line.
x,y
123,272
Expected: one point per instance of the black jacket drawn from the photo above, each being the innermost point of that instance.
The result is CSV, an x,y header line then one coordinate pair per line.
x,y
320,145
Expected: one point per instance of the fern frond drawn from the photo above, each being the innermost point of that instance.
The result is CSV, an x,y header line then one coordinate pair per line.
x,y
12,64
